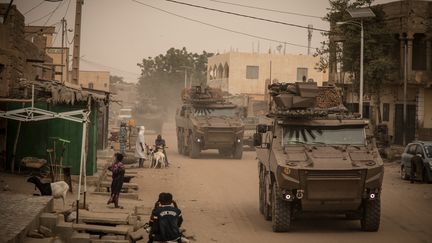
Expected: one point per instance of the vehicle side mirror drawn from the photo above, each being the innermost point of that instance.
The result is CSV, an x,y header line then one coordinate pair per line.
x,y
257,139
420,155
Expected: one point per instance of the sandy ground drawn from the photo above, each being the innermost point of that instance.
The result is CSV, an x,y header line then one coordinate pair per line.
x,y
219,200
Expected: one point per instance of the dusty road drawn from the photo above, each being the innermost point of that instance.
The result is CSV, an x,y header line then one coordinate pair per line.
x,y
219,200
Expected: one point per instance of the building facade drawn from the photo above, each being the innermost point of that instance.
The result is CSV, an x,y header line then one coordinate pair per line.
x,y
25,61
250,73
410,22
60,58
97,80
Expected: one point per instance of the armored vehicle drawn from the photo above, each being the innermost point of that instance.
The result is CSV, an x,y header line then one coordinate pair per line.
x,y
206,121
315,157
250,113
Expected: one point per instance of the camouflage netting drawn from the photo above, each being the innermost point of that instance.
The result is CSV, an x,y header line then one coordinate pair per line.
x,y
300,100
201,95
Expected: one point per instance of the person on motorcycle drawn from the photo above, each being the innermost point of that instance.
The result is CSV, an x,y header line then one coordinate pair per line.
x,y
165,220
160,142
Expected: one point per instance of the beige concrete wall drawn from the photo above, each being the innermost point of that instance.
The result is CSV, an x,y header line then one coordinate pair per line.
x,y
283,69
56,54
100,79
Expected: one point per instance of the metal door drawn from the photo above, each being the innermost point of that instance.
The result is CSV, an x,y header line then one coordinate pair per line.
x,y
410,126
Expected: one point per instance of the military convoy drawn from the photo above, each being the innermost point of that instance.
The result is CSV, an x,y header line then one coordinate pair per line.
x,y
206,120
315,157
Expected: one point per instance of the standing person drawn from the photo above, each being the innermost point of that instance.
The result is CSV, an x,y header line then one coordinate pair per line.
x,y
165,220
140,147
160,142
118,171
122,137
416,172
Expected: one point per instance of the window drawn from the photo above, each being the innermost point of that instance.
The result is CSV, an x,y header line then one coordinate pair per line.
x,y
323,135
411,149
386,112
419,150
302,74
252,72
428,149
90,85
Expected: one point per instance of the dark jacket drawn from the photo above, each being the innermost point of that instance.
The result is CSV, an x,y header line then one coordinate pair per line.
x,y
166,222
160,142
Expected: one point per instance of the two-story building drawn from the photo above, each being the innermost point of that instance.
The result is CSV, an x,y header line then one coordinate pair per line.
x,y
410,22
250,73
97,80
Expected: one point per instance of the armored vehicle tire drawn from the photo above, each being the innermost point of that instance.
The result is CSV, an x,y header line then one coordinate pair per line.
x,y
267,211
403,173
261,193
194,149
371,215
238,151
281,211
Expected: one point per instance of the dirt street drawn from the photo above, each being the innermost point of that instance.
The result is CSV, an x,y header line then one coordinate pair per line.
x,y
219,200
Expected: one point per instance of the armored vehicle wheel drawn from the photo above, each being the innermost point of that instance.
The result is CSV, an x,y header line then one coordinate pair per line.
x,y
261,193
267,212
194,149
403,173
371,215
184,150
238,151
281,211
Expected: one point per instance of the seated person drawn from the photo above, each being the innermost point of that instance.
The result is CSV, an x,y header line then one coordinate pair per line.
x,y
165,220
161,142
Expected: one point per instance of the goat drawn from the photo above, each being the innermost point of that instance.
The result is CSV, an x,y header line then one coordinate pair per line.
x,y
159,158
56,189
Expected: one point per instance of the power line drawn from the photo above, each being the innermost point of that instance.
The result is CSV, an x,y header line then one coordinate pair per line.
x,y
267,9
108,67
218,27
36,20
67,8
246,16
34,7
59,4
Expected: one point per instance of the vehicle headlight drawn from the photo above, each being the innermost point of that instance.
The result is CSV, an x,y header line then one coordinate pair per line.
x,y
238,140
286,170
199,140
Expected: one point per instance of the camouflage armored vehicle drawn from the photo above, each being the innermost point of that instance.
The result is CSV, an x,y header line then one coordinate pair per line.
x,y
206,121
250,113
315,157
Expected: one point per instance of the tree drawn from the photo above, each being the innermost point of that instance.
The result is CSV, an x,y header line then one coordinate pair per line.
x,y
162,77
116,79
380,64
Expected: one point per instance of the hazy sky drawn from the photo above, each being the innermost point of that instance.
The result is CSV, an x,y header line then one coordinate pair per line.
x,y
118,34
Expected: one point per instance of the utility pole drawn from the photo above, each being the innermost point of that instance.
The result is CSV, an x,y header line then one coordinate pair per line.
x,y
309,38
76,40
63,21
